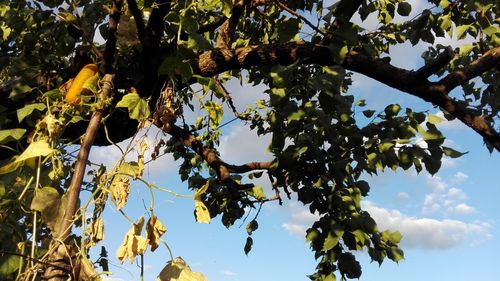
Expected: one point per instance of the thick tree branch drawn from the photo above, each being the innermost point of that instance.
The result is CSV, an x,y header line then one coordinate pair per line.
x,y
138,18
109,51
73,192
219,60
437,64
227,30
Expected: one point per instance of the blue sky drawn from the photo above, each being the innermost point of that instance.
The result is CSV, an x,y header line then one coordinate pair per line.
x,y
449,221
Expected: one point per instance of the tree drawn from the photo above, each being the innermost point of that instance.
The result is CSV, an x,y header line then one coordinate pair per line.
x,y
159,59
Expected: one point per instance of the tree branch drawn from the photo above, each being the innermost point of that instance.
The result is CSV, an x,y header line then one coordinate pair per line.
x,y
222,169
343,13
219,60
109,51
138,17
228,28
297,15
438,63
73,191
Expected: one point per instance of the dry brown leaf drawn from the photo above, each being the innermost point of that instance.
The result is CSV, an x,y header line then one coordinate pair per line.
x,y
120,189
133,244
95,231
154,230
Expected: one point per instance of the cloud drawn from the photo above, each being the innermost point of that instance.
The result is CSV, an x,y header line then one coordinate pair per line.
x,y
447,199
106,278
428,233
295,229
229,273
403,196
418,233
109,155
244,145
454,124
464,209
300,219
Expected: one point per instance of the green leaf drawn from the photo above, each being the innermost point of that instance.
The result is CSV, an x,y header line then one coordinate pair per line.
x,y
312,234
28,110
215,113
288,29
9,264
432,165
296,116
332,239
92,84
257,192
450,152
434,119
248,245
368,113
461,31
404,9
395,254
51,205
138,108
35,149
252,226
11,135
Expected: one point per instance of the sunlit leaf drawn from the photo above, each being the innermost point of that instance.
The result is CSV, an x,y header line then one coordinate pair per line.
x,y
178,270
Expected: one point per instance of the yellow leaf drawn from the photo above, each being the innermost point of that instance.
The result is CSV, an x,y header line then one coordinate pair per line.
x,y
154,230
120,189
95,231
178,270
133,244
201,191
201,212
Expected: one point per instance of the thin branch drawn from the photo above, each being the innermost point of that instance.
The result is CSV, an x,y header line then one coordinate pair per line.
x,y
228,98
297,15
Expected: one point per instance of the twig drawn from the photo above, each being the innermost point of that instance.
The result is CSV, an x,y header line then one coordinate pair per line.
x,y
228,98
297,15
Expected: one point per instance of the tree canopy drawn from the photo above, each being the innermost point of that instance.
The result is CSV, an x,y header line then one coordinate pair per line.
x,y
75,74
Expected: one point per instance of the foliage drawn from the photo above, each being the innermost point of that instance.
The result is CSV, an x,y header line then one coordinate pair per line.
x,y
168,57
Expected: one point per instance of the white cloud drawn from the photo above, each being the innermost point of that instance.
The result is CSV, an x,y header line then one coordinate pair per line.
x,y
106,278
436,183
464,209
459,177
449,200
229,273
109,155
244,145
427,233
300,219
403,195
295,229
449,125
421,233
